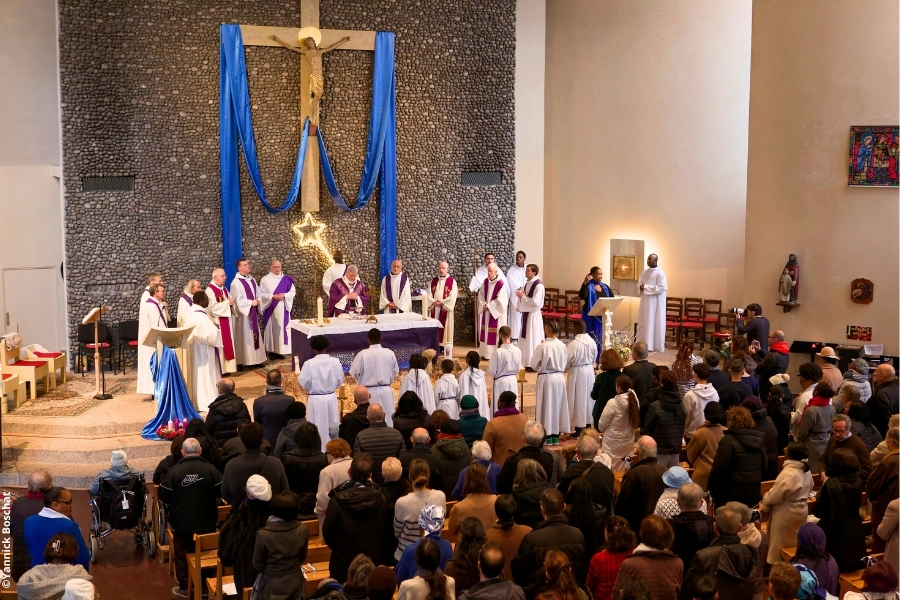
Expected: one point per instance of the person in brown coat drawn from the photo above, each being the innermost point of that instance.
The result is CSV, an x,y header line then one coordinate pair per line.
x,y
506,533
504,432
703,445
884,485
652,562
478,502
641,486
842,438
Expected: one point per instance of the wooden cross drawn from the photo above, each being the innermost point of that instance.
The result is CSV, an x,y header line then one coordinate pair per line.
x,y
256,35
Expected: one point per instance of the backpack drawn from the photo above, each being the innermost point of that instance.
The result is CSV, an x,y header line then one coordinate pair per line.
x,y
126,503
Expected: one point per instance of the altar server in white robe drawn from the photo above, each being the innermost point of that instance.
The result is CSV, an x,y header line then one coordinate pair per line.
x,y
531,300
582,354
551,403
395,294
418,381
472,383
152,315
249,346
321,375
476,283
652,314
443,301
205,338
151,279
516,278
221,310
335,271
375,367
276,299
186,302
493,297
446,390
503,367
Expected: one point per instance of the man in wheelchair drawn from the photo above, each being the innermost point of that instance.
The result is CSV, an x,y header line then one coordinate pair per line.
x,y
118,501
118,469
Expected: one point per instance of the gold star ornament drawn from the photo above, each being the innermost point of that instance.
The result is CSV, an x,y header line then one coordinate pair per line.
x,y
309,233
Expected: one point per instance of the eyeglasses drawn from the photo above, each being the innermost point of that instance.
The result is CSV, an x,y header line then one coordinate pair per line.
x,y
69,502
838,432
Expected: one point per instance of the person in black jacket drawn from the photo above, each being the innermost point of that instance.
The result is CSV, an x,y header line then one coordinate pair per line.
x,y
296,414
599,478
197,429
754,325
191,489
693,528
170,461
731,565
225,412
763,423
239,531
303,464
379,440
551,534
772,362
252,462
641,486
640,371
534,437
355,519
779,412
717,377
652,392
420,440
355,421
740,461
411,415
270,409
665,421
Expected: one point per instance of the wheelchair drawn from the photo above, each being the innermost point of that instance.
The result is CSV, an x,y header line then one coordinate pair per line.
x,y
121,505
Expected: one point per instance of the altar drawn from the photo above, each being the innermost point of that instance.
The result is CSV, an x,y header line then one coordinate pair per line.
x,y
404,334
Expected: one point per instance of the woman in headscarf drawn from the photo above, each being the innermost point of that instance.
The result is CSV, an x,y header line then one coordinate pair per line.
x,y
811,553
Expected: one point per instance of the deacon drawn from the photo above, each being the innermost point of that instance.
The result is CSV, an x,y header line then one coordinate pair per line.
x,y
250,349
151,279
516,278
652,314
186,302
321,375
493,298
592,288
443,301
375,368
531,300
478,279
205,342
276,298
395,294
503,367
551,405
582,354
348,294
221,309
153,314
335,271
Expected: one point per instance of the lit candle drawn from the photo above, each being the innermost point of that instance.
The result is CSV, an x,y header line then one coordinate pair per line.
x,y
521,377
342,391
319,318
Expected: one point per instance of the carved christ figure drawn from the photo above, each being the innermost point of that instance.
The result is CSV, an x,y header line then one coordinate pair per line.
x,y
317,74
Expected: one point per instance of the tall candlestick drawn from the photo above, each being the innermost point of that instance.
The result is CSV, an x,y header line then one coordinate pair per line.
x,y
319,316
424,295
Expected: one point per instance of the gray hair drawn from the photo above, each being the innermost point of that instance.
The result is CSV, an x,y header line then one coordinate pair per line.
x,y
190,447
690,496
741,509
40,481
419,435
534,433
352,269
640,351
375,413
481,450
893,434
528,472
647,447
587,447
728,520
842,417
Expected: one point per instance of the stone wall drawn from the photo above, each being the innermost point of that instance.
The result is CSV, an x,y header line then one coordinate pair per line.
x,y
139,92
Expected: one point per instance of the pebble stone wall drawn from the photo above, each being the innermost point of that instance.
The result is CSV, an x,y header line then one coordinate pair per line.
x,y
139,93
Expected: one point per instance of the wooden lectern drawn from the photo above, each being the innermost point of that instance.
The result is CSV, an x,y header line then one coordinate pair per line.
x,y
606,306
176,339
94,317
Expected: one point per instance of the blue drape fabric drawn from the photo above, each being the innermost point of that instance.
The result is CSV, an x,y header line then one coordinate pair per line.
x,y
172,399
236,125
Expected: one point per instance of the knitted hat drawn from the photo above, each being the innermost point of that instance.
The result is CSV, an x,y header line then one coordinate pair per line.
x,y
450,427
431,518
676,477
752,403
259,488
118,459
860,366
468,401
79,589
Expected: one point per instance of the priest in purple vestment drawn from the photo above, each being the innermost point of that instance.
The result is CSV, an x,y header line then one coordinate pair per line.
x,y
348,294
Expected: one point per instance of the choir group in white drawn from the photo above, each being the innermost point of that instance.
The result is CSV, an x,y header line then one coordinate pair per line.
x,y
510,330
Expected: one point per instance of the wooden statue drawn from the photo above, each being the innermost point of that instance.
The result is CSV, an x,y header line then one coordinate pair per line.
x,y
792,271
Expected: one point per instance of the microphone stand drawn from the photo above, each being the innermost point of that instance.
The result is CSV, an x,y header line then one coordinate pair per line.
x,y
98,363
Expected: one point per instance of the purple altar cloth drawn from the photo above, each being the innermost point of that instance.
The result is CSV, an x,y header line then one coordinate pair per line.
x,y
344,346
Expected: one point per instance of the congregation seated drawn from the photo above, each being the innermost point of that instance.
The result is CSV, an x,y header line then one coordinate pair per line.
x,y
23,507
285,442
303,464
55,517
118,470
239,531
226,412
253,461
411,415
667,506
48,579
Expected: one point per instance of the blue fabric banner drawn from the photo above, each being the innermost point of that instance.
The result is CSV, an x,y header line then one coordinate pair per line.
x,y
172,400
236,124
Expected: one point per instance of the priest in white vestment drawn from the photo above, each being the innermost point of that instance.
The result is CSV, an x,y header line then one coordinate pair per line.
x,y
418,381
443,301
249,347
395,294
151,279
516,278
335,271
493,298
476,283
203,342
531,300
551,402
221,310
652,314
152,314
503,367
472,383
186,302
321,375
376,367
446,390
276,298
582,354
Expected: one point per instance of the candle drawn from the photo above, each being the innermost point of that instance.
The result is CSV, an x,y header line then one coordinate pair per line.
x,y
424,304
170,424
342,391
319,318
521,377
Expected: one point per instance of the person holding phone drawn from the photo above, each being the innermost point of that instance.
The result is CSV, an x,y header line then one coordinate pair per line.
x,y
754,326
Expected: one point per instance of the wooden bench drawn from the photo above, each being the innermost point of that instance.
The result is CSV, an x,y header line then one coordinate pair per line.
x,y
212,583
204,556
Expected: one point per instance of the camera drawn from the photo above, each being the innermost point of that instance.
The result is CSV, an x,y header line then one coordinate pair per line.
x,y
736,311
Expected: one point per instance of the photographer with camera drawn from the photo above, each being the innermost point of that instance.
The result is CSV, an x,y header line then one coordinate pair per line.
x,y
756,327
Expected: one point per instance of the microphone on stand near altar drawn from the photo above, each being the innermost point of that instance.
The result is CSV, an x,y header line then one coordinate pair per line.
x,y
99,363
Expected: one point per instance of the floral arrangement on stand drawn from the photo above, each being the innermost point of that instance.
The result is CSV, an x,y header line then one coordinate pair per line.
x,y
724,350
171,430
623,341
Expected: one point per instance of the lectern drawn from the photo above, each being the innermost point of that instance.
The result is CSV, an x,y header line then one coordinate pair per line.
x,y
176,339
606,306
94,317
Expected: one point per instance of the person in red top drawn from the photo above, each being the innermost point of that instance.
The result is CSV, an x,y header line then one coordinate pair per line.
x,y
620,541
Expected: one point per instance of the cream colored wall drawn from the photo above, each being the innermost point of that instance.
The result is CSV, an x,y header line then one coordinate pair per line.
x,y
818,68
646,139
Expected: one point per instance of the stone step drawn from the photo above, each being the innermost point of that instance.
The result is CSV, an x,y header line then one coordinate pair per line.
x,y
52,451
70,475
70,428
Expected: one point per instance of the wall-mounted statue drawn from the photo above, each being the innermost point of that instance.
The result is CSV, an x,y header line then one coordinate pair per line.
x,y
789,285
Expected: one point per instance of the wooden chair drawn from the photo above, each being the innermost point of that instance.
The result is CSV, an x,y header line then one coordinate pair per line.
x,y
313,579
549,301
171,535
674,316
214,584
692,323
313,527
56,361
224,511
14,388
572,308
725,329
204,556
162,549
551,310
28,371
711,311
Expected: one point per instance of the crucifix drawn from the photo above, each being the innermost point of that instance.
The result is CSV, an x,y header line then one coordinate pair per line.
x,y
310,65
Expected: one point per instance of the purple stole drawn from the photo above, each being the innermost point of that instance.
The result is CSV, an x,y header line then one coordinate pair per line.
x,y
343,290
187,299
224,323
254,310
525,315
389,291
440,313
488,322
162,315
284,286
